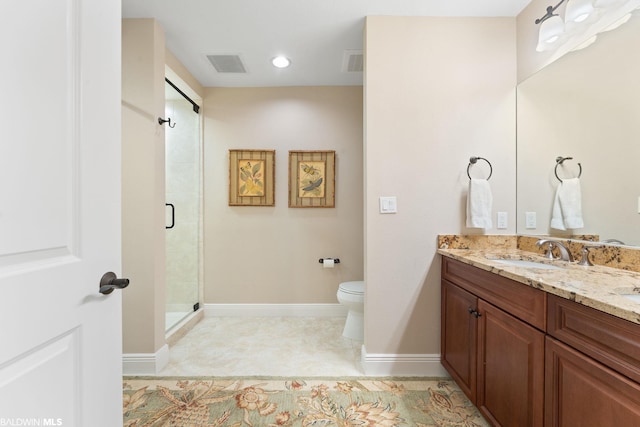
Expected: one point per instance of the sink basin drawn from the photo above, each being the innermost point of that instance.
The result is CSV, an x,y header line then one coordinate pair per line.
x,y
527,264
632,297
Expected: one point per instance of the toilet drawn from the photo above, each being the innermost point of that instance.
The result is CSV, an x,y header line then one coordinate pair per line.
x,y
351,295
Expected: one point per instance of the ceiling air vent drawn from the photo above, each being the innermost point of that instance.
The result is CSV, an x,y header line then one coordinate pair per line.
x,y
227,63
352,61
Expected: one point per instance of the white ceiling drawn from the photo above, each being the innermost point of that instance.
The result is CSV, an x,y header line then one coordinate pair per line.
x,y
314,34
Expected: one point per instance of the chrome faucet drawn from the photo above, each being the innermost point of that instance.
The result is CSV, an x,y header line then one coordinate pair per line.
x,y
585,254
550,243
585,257
565,254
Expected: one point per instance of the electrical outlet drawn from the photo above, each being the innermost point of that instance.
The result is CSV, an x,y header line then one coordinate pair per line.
x,y
503,220
530,220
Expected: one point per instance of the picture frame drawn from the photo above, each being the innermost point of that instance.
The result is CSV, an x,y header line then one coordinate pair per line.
x,y
252,177
312,179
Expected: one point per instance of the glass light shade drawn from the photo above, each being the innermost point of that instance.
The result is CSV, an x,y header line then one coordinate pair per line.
x,y
551,29
578,10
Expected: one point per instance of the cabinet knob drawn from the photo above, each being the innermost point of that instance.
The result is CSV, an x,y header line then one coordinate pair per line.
x,y
474,312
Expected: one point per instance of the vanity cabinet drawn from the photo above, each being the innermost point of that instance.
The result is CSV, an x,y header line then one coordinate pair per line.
x,y
528,358
510,369
583,392
493,343
459,331
592,367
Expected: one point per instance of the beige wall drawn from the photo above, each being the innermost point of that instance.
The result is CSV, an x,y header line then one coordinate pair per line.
x,y
178,72
143,187
437,91
270,254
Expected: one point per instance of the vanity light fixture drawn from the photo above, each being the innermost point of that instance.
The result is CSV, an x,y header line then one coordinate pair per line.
x,y
281,62
581,19
551,29
578,11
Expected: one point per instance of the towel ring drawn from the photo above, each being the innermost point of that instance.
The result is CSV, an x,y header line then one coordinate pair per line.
x,y
473,160
559,161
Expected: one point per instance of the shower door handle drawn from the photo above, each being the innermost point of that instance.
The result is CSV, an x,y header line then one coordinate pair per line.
x,y
173,215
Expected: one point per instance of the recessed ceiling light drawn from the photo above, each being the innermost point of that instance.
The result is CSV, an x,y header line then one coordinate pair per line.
x,y
281,62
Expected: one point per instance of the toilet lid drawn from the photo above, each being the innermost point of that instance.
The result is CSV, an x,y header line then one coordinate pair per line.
x,y
356,287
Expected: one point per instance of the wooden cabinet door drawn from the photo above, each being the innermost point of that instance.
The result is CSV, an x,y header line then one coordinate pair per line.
x,y
458,336
582,392
612,341
510,369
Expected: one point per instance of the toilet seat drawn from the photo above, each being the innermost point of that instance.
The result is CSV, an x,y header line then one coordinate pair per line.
x,y
352,288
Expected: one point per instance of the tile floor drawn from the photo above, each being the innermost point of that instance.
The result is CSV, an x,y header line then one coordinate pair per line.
x,y
265,346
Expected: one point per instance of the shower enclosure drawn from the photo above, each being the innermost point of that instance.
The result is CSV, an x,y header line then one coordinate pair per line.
x,y
183,201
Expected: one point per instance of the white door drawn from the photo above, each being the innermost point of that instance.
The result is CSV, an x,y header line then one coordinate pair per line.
x,y
60,339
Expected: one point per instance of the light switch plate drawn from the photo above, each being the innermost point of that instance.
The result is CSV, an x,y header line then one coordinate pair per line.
x,y
388,205
530,220
503,220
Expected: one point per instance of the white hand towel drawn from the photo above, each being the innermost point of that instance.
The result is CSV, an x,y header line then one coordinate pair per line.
x,y
557,221
479,202
571,203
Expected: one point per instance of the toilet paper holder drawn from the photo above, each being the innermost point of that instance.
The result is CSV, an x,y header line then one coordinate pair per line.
x,y
335,260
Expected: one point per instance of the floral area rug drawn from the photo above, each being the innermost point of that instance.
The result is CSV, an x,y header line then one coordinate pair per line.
x,y
236,402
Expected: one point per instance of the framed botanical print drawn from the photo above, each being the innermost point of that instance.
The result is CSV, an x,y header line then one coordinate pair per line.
x,y
312,179
252,177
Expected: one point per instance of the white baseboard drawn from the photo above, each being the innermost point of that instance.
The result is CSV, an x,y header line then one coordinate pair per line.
x,y
274,310
402,365
145,363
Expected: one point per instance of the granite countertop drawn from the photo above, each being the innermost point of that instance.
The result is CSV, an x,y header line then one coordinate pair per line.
x,y
596,286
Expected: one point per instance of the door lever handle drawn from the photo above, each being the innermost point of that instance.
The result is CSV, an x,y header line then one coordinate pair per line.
x,y
110,281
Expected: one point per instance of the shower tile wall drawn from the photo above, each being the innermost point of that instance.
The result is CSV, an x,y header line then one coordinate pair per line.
x,y
183,191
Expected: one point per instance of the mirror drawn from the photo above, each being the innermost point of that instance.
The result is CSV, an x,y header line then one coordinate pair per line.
x,y
585,105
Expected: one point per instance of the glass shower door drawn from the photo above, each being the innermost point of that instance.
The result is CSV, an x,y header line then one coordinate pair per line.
x,y
182,166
